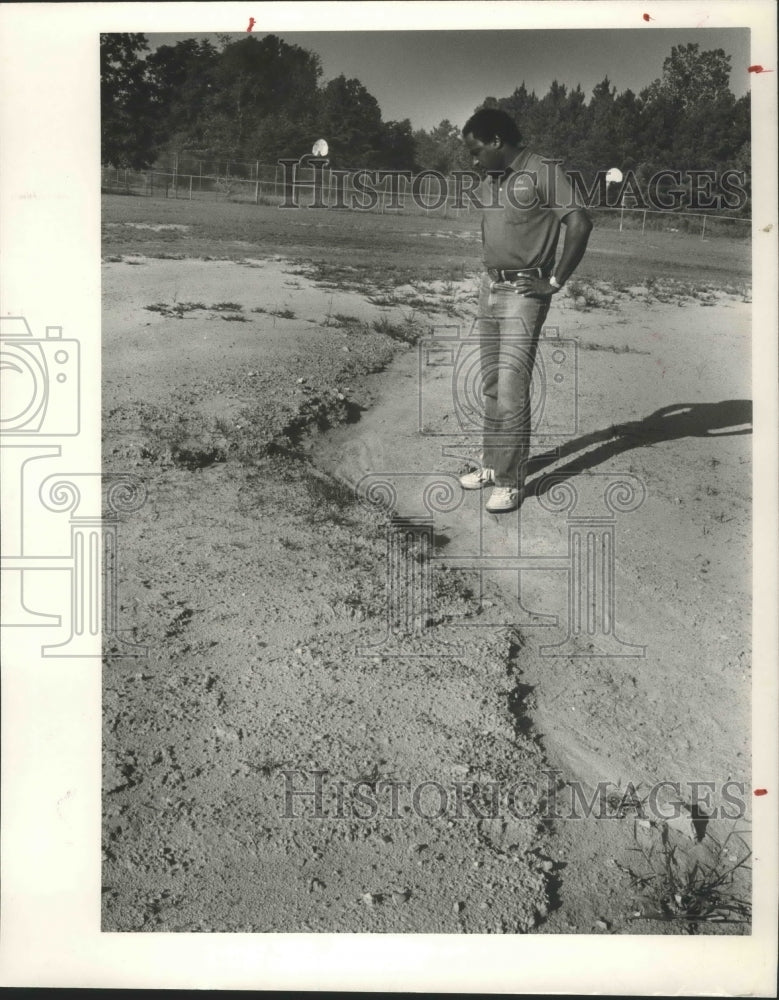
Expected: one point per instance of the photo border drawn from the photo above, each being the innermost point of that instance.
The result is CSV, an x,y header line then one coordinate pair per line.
x,y
51,725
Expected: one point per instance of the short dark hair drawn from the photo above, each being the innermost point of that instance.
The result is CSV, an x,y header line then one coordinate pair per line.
x,y
491,123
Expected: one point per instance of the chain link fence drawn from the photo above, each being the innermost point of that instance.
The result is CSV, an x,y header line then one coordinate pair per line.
x,y
423,194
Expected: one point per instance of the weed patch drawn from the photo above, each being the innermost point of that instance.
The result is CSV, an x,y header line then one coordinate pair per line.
x,y
588,345
231,307
190,440
585,296
406,332
343,319
675,886
177,310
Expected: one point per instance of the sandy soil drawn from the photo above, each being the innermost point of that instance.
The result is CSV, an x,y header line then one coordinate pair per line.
x,y
256,574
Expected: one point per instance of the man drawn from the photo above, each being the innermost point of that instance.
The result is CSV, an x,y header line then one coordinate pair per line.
x,y
525,200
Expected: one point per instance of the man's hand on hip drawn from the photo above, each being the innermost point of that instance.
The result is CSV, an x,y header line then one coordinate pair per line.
x,y
534,287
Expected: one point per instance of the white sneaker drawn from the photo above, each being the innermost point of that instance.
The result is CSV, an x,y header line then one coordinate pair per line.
x,y
477,479
503,499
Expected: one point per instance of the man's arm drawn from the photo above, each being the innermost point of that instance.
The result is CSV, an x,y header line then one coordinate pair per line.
x,y
578,226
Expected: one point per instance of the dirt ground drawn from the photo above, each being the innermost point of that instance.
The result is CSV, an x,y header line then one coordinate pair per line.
x,y
252,395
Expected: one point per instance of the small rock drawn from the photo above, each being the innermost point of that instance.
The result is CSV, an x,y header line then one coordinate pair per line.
x,y
367,898
547,866
316,884
602,924
683,824
458,907
300,381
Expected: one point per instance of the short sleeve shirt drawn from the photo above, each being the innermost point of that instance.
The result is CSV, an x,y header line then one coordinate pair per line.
x,y
522,228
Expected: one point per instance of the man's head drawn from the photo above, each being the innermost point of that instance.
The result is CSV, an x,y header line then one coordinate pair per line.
x,y
492,138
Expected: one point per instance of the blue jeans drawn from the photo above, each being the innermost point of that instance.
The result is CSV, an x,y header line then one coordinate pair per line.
x,y
509,326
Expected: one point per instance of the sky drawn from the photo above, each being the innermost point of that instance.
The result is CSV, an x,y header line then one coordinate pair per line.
x,y
427,76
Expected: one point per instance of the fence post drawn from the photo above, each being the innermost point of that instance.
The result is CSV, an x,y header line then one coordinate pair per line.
x,y
643,222
190,187
621,215
257,189
703,227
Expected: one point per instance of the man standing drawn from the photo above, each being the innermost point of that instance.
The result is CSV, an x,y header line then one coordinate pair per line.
x,y
525,199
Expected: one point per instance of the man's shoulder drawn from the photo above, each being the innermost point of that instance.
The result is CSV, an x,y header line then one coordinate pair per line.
x,y
536,161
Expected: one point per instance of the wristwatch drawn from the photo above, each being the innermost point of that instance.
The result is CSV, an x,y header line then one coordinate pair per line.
x,y
555,283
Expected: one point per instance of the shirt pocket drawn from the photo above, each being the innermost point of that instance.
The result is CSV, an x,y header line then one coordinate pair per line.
x,y
523,216
523,205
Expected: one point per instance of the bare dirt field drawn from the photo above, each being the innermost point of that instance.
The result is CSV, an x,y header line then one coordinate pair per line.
x,y
268,376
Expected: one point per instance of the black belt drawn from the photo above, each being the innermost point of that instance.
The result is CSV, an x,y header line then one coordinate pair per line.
x,y
501,274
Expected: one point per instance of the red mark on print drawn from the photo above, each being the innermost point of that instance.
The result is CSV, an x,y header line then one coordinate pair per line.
x,y
761,791
252,23
646,17
758,69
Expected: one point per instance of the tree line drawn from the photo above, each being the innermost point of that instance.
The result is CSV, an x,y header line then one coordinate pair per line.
x,y
264,99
